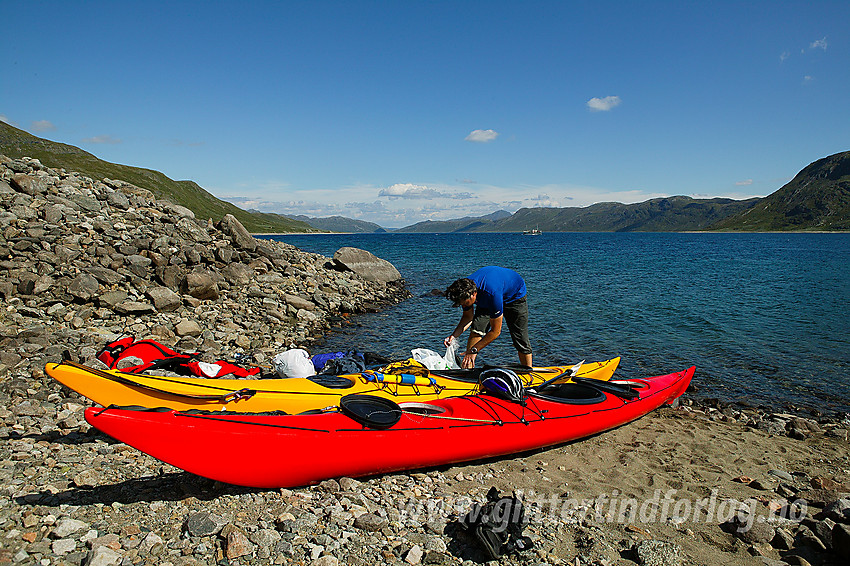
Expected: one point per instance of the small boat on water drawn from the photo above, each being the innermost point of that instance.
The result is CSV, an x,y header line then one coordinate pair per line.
x,y
273,451
293,395
532,232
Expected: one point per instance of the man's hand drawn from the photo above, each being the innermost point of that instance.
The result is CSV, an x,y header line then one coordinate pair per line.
x,y
468,361
448,341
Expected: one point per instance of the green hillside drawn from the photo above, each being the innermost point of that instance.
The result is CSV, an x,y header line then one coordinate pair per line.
x,y
818,198
17,143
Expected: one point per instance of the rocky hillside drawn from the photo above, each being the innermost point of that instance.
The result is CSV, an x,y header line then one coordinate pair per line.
x,y
17,143
818,198
84,261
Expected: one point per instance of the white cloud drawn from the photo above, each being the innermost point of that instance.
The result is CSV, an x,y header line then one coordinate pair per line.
x,y
4,118
819,44
404,204
482,136
744,183
102,140
785,55
43,126
604,104
411,191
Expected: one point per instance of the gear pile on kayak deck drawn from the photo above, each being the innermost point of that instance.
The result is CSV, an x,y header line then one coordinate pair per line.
x,y
297,431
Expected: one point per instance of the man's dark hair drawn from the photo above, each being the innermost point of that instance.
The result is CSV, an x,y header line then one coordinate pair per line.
x,y
460,291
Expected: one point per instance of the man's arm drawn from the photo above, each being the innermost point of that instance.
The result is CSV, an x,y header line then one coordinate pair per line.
x,y
465,321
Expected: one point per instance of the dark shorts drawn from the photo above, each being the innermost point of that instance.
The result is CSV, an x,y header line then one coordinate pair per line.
x,y
516,319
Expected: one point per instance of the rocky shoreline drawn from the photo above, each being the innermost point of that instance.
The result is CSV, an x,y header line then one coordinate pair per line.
x,y
84,261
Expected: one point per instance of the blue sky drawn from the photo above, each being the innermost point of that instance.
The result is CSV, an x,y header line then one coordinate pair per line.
x,y
396,112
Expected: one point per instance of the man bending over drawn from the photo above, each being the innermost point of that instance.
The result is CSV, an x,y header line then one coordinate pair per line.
x,y
497,294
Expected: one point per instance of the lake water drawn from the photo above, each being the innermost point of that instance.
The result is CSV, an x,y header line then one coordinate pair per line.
x,y
764,317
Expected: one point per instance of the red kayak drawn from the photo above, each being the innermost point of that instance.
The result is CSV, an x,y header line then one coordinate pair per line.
x,y
373,435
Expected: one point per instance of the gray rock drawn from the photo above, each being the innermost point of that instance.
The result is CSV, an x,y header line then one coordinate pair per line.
x,y
240,237
84,287
190,230
203,523
103,556
366,265
783,540
138,264
781,474
29,184
328,486
807,537
87,478
764,484
265,538
164,299
414,555
118,199
299,302
171,276
201,286
66,527
181,211
111,299
238,544
63,546
188,328
87,204
237,273
370,522
841,540
134,308
751,529
838,510
658,553
105,275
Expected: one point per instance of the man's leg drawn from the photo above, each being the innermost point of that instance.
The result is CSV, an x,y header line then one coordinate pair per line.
x,y
516,316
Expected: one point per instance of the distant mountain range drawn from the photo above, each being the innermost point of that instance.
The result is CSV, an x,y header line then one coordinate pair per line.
x,y
468,224
818,198
657,215
337,224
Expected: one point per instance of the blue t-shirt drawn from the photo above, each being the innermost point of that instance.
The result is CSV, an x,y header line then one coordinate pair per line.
x,y
497,286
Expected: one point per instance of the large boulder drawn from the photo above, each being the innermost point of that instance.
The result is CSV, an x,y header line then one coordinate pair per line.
x,y
239,235
366,265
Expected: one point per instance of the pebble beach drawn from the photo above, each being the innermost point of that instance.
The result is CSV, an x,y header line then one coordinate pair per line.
x,y
85,261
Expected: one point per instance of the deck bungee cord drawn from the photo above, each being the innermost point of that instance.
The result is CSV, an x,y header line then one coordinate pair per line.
x,y
397,385
234,395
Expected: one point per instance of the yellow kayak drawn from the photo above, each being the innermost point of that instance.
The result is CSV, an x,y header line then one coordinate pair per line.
x,y
292,395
